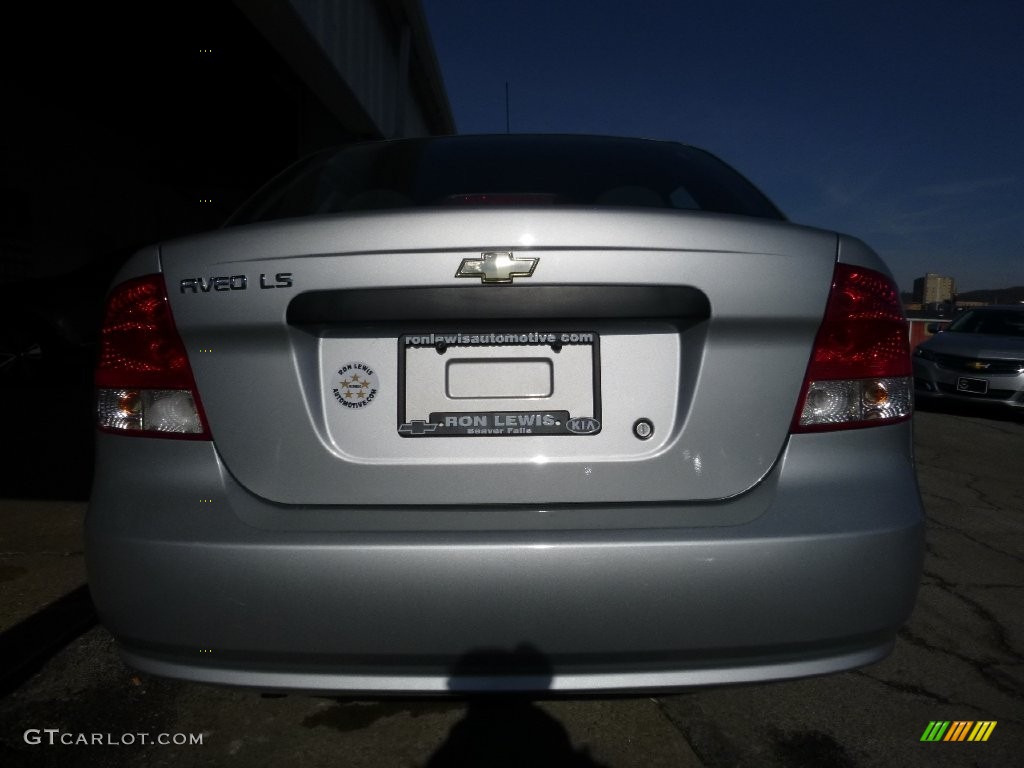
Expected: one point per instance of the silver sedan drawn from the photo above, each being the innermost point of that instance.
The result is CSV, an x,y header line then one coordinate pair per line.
x,y
979,358
504,413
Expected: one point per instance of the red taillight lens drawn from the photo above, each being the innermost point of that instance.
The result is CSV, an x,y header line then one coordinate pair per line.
x,y
860,370
144,381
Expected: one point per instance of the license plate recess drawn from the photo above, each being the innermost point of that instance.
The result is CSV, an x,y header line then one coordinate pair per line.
x,y
503,383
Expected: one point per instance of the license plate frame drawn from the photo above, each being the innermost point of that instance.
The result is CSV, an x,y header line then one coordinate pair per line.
x,y
966,384
572,405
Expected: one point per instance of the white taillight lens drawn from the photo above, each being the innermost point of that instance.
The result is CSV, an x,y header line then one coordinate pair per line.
x,y
148,410
859,374
144,381
864,400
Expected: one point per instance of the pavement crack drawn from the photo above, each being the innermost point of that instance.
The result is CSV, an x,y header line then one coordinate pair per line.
x,y
913,690
952,528
955,591
983,494
705,739
988,667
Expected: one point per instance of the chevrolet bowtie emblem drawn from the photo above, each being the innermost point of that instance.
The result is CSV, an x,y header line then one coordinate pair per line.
x,y
977,365
497,267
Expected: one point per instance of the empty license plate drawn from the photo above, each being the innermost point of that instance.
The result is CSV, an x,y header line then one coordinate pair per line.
x,y
498,384
975,386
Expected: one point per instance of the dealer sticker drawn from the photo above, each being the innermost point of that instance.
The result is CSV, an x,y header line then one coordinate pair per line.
x,y
356,385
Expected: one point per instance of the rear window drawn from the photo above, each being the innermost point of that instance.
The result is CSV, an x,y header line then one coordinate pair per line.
x,y
507,170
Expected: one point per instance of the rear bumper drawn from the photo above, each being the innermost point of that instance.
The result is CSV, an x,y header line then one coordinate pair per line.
x,y
238,591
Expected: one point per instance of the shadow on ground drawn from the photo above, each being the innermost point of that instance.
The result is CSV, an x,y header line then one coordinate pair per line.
x,y
979,410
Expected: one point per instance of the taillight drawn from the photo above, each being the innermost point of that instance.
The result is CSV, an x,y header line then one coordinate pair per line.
x,y
144,381
860,370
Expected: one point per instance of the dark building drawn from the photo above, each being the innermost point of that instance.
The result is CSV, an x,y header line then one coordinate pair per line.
x,y
125,123
131,122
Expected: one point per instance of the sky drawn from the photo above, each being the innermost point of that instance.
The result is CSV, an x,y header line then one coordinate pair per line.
x,y
899,122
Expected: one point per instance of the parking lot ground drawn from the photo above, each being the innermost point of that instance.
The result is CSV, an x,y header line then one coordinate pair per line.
x,y
960,658
41,555
44,602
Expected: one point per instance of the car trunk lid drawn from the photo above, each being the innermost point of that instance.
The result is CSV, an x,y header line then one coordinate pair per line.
x,y
630,356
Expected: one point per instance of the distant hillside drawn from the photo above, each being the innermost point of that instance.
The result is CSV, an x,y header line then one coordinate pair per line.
x,y
1013,295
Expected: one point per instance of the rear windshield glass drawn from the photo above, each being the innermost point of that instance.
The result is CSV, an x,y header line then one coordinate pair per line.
x,y
991,322
509,170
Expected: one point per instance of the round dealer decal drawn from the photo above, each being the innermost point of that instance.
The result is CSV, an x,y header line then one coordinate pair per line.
x,y
357,385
